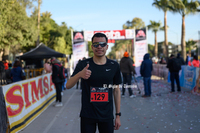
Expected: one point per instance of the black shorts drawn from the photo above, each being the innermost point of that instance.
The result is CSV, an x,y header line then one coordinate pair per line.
x,y
89,125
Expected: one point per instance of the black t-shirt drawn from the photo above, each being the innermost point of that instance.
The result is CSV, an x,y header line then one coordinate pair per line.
x,y
107,74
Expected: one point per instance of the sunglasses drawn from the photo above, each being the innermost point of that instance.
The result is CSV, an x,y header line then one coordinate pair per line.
x,y
96,44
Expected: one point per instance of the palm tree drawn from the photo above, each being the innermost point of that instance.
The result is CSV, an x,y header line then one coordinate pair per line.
x,y
184,7
39,3
190,45
155,27
164,5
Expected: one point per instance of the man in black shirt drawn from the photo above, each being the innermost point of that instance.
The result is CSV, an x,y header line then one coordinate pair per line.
x,y
100,80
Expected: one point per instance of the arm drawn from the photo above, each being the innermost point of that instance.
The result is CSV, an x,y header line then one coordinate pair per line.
x,y
85,74
117,99
73,80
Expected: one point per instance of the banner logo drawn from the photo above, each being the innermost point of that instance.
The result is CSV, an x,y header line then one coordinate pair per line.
x,y
78,37
140,34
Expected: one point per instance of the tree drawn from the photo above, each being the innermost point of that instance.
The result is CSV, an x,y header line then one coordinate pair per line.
x,y
190,45
5,11
60,45
151,50
27,4
184,7
136,23
155,27
50,31
47,27
39,3
18,29
164,5
90,52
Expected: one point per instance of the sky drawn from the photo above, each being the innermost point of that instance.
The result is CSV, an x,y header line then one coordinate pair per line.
x,y
92,15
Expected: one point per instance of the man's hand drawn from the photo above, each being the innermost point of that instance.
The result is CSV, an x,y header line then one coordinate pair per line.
x,y
117,123
85,73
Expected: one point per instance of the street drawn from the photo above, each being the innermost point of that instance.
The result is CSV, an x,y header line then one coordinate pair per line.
x,y
163,112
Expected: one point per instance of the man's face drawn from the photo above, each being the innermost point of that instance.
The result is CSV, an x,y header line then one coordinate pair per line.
x,y
99,51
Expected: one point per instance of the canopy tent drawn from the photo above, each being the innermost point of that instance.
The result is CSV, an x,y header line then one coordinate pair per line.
x,y
40,52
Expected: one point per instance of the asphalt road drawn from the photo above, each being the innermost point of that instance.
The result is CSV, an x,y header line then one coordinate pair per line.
x,y
163,112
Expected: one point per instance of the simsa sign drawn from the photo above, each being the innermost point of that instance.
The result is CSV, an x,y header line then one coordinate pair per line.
x,y
26,99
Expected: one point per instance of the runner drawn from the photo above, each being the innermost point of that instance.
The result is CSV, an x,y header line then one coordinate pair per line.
x,y
100,79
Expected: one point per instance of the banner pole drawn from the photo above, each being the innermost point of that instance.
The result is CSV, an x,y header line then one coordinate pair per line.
x,y
199,46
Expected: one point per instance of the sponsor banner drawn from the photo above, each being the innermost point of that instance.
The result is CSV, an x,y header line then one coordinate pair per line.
x,y
78,37
140,48
112,34
79,51
196,89
188,77
27,99
88,35
79,47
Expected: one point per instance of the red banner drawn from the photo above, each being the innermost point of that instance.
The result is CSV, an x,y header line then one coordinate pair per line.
x,y
112,34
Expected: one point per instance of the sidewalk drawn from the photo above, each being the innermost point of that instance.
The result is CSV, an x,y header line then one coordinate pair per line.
x,y
163,112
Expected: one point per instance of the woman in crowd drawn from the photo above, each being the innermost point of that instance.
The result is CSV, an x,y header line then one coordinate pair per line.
x,y
194,62
17,74
47,66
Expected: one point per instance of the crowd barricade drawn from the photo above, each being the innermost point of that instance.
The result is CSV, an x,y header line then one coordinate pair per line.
x,y
30,73
189,76
21,102
160,70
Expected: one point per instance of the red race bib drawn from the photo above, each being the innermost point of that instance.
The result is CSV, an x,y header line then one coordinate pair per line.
x,y
98,94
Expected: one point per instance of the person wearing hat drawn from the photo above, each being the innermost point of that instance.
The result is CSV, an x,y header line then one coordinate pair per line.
x,y
127,68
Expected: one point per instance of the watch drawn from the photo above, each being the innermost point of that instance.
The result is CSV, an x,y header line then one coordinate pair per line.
x,y
118,114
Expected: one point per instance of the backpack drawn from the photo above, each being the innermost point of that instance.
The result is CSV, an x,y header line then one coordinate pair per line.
x,y
61,72
176,64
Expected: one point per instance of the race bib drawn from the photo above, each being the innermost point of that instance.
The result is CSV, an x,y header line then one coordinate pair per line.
x,y
98,94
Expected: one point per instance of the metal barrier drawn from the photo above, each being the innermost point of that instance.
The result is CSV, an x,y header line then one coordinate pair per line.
x,y
3,113
30,73
160,70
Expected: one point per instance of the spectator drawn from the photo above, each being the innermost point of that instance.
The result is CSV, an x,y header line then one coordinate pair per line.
x,y
174,66
187,59
17,74
6,64
145,71
194,62
180,59
57,81
162,60
47,66
127,68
